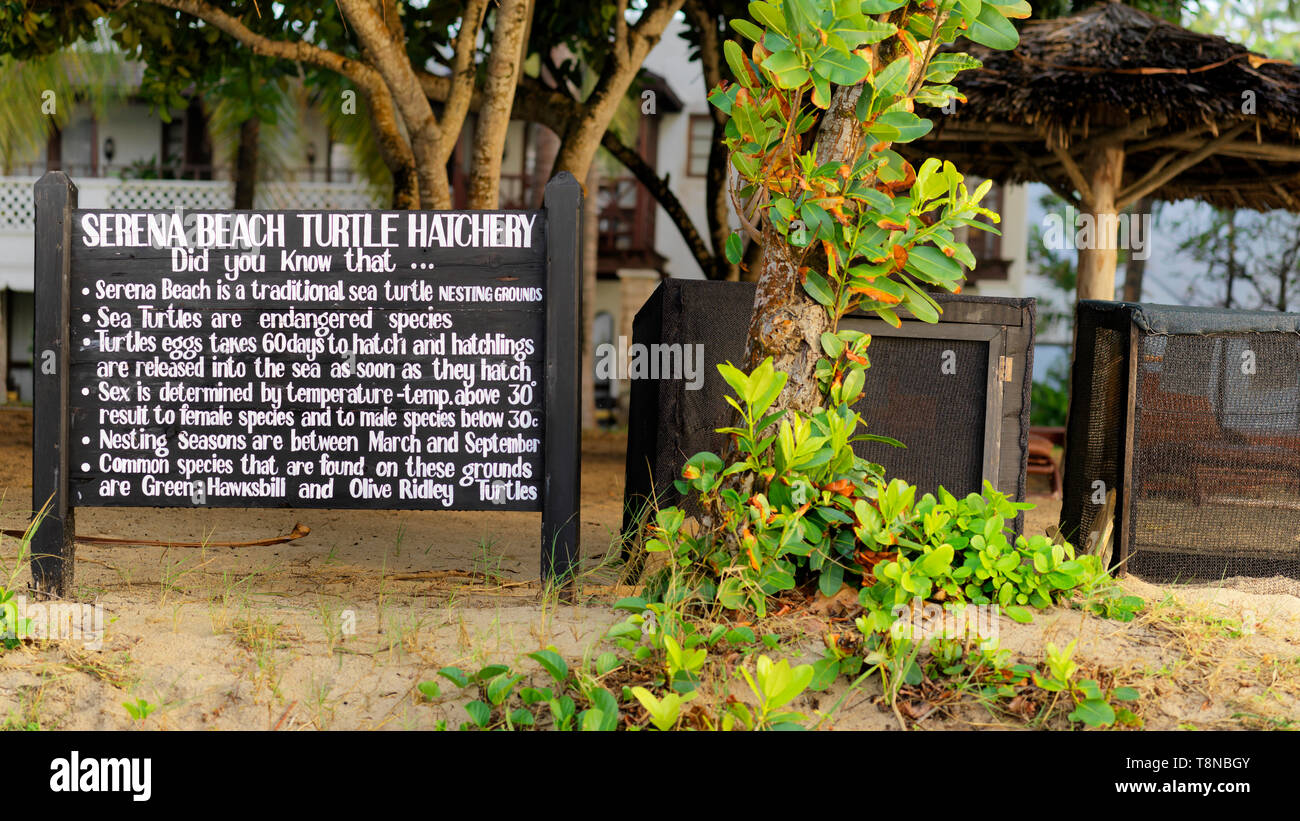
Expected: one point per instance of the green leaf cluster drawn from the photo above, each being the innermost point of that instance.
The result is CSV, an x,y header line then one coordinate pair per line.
x,y
887,232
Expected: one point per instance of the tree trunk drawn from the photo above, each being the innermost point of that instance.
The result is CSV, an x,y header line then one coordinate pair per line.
x,y
1098,261
627,53
716,196
1134,272
788,323
582,138
246,163
1233,271
460,86
1286,264
393,148
541,105
387,54
1134,268
508,40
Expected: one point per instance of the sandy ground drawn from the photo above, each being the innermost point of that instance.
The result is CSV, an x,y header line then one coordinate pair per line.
x,y
336,629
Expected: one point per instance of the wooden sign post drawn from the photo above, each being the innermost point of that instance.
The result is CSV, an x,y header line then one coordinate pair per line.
x,y
412,360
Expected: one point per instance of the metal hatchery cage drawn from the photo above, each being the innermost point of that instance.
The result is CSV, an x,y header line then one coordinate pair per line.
x,y
961,424
1192,417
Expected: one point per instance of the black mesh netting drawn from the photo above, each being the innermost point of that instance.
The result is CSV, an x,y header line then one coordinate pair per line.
x,y
1214,476
938,412
935,414
1098,403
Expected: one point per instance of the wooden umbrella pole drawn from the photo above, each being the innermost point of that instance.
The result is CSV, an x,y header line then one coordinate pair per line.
x,y
1099,255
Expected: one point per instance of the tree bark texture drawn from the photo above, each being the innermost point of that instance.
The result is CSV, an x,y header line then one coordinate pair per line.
x,y
508,40
460,86
788,323
388,56
1135,269
1104,170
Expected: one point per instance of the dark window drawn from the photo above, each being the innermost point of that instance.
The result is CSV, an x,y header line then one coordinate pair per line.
x,y
986,246
173,145
186,150
699,142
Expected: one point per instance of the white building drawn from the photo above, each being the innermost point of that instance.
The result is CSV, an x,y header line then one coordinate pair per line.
x,y
130,158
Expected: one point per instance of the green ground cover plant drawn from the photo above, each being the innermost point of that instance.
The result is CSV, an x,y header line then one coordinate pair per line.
x,y
789,503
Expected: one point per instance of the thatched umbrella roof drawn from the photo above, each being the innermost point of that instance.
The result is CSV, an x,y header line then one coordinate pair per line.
x,y
1114,72
1117,104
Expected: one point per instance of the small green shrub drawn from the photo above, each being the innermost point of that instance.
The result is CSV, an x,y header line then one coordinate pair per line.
x,y
13,626
1092,705
961,550
663,687
798,504
139,709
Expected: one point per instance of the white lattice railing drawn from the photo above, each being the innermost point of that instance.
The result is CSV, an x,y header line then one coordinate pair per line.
x,y
17,210
308,196
168,195
18,213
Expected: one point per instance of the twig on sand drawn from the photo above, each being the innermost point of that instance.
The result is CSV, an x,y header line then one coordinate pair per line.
x,y
284,715
299,530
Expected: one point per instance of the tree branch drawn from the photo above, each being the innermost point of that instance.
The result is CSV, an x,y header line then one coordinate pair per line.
x,y
581,138
710,50
1157,177
509,40
299,52
650,26
396,151
754,233
1073,172
459,88
719,210
394,65
646,175
1057,188
620,30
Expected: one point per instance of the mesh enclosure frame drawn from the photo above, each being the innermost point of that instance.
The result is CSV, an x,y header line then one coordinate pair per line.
x,y
668,423
1192,415
1100,407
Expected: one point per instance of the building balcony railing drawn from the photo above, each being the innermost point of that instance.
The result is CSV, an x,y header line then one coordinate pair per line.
x,y
154,170
626,214
18,213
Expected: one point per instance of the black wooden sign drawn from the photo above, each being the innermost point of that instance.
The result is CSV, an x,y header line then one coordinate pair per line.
x,y
416,360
